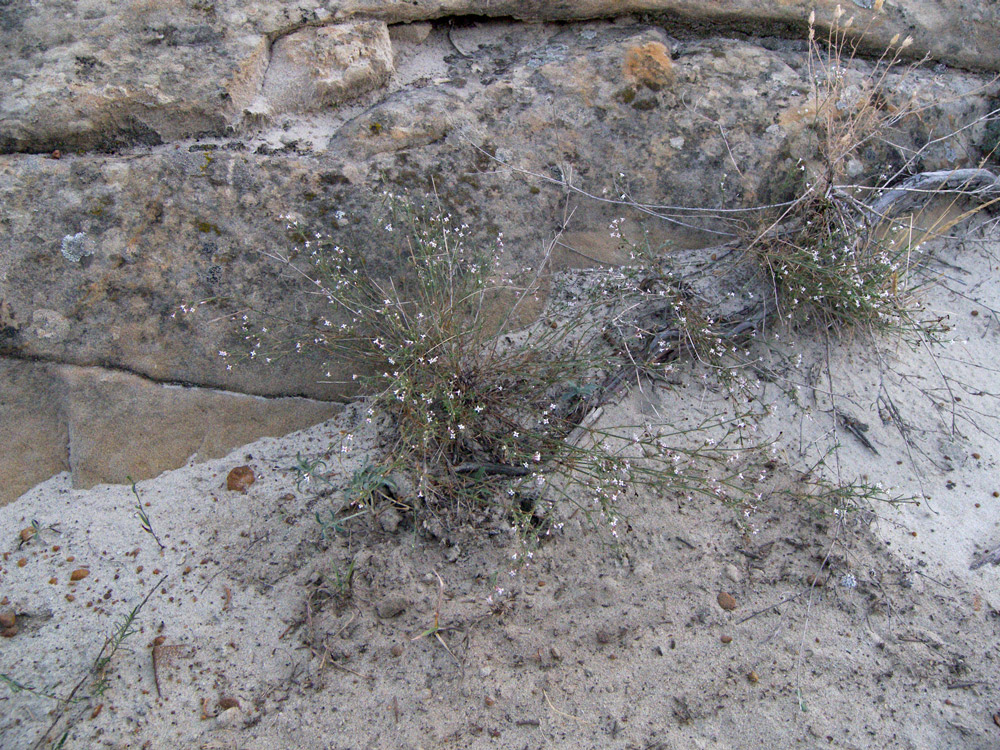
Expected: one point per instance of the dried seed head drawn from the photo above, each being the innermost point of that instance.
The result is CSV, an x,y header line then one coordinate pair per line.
x,y
907,42
838,13
895,38
877,7
812,18
849,22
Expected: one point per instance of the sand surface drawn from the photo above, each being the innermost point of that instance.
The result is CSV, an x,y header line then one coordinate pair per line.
x,y
860,629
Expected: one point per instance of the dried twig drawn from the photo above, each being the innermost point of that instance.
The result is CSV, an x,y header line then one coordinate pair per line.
x,y
775,605
564,714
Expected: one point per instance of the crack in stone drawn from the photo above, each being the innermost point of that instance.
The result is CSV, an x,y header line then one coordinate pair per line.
x,y
44,360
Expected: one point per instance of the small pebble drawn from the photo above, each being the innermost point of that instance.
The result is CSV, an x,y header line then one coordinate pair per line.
x,y
391,606
726,601
753,677
22,562
79,574
8,619
644,569
229,717
733,573
396,650
726,639
814,580
27,533
8,632
604,635
389,520
240,479
555,653
227,702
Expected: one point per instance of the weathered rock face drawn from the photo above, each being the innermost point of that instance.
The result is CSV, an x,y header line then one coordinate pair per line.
x,y
97,75
187,133
315,68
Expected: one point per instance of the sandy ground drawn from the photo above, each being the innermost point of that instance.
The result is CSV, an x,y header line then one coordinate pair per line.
x,y
709,625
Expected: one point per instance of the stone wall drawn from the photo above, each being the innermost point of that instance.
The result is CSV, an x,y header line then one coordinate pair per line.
x,y
149,150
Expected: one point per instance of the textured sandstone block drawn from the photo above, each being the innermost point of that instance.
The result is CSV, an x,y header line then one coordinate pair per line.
x,y
122,425
34,430
316,68
105,426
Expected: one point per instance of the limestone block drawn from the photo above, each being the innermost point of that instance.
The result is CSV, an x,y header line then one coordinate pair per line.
x,y
121,425
34,429
164,232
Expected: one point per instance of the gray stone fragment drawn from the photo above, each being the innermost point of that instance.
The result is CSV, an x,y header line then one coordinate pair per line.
x,y
391,606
